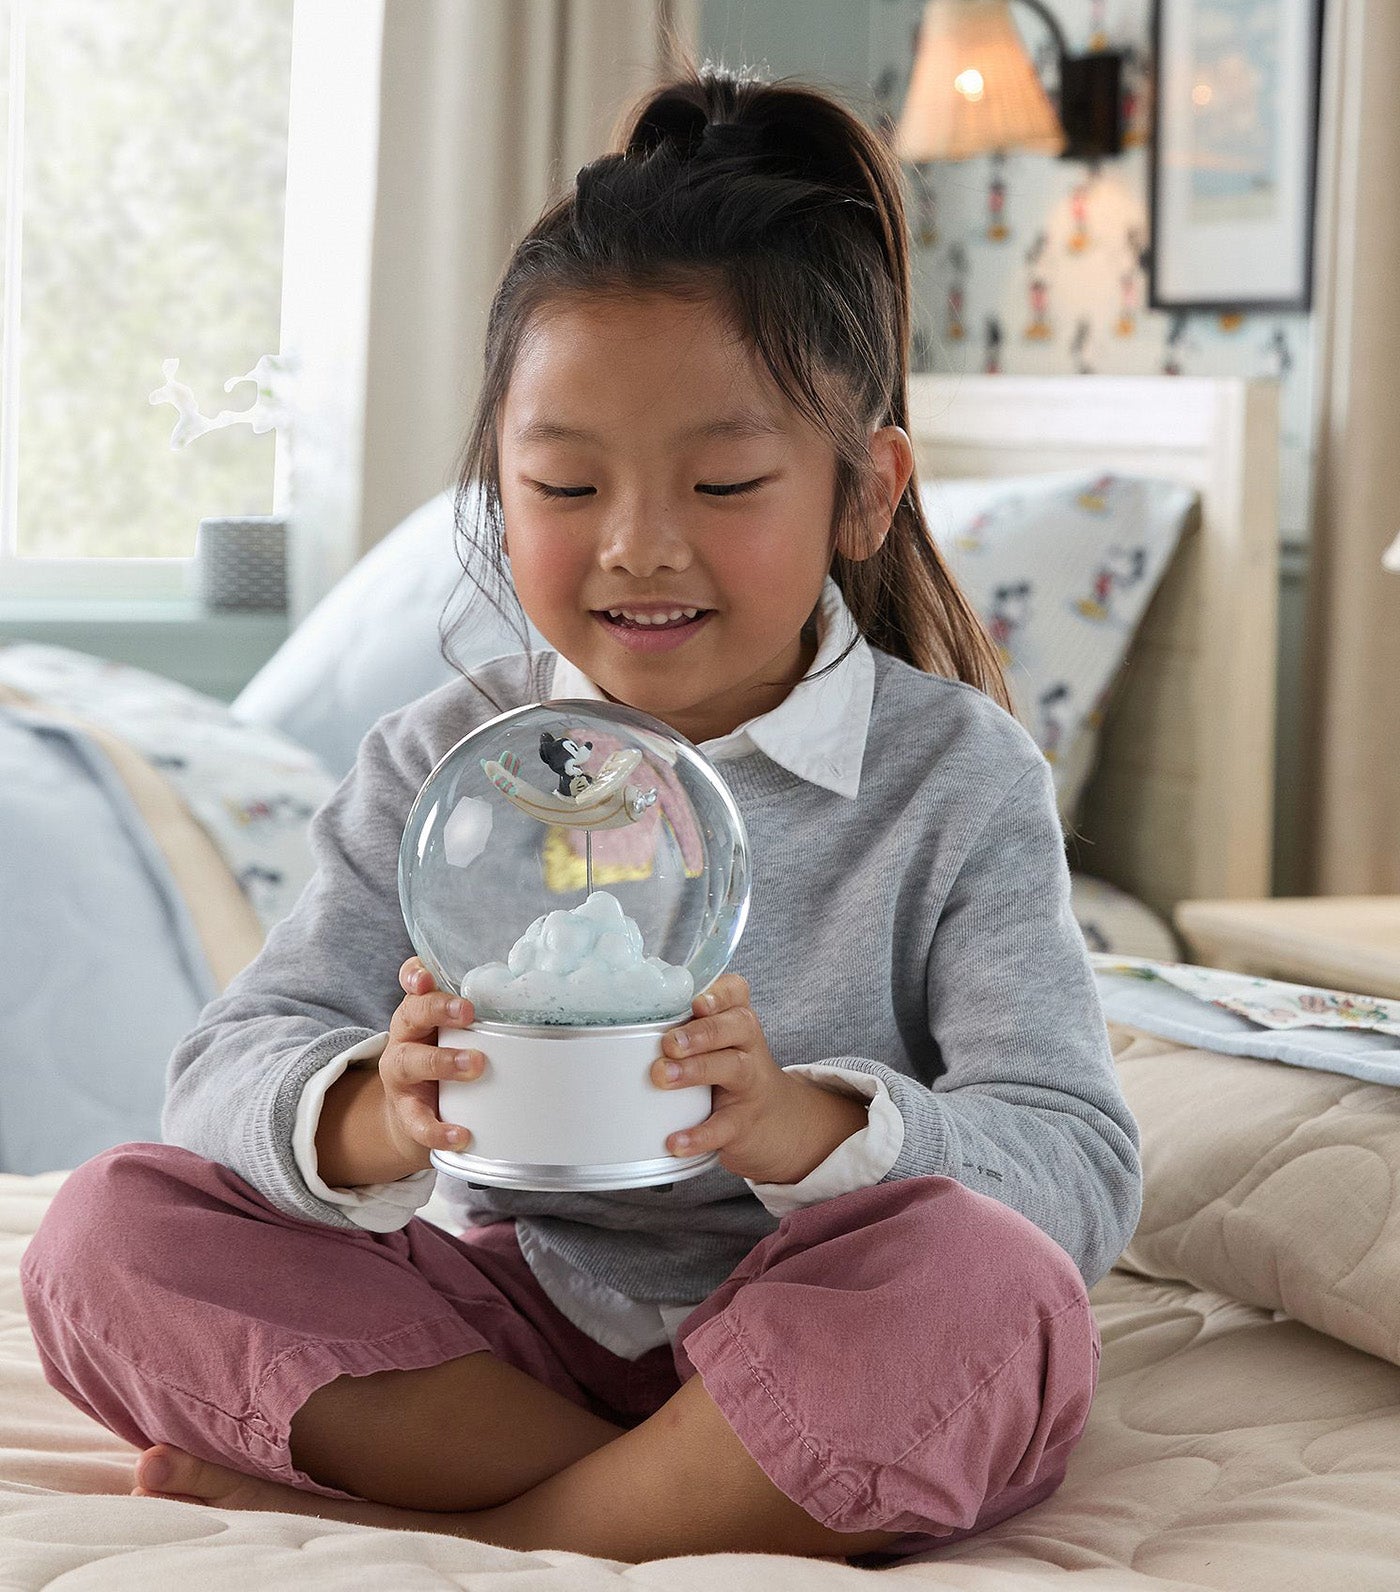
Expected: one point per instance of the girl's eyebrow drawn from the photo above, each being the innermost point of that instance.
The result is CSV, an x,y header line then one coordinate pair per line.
x,y
744,423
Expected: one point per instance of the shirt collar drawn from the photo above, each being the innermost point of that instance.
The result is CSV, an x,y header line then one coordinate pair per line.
x,y
818,731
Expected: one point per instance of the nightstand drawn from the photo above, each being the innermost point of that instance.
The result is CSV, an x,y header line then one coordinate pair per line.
x,y
1338,942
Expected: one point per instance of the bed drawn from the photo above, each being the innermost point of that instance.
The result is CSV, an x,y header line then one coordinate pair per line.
x,y
1249,1406
1245,1435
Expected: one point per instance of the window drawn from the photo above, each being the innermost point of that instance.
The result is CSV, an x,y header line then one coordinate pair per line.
x,y
143,198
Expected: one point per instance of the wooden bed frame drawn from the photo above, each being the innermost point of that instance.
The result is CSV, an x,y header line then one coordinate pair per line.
x,y
1180,805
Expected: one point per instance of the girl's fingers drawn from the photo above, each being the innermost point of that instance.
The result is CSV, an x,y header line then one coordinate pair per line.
x,y
414,978
729,1069
425,1127
712,1134
404,1065
736,1028
727,991
422,1014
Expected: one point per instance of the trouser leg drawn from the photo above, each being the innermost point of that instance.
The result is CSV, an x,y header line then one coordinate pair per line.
x,y
911,1357
172,1303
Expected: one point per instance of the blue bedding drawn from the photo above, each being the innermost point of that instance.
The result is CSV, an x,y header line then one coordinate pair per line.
x,y
100,971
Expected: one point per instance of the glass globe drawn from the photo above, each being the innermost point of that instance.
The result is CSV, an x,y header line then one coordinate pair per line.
x,y
575,863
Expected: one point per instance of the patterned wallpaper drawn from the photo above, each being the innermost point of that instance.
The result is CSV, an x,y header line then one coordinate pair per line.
x,y
1029,264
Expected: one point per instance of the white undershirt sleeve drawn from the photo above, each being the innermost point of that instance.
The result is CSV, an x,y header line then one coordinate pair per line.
x,y
858,1162
378,1207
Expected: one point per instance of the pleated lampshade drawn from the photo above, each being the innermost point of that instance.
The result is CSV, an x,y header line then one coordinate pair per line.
x,y
974,88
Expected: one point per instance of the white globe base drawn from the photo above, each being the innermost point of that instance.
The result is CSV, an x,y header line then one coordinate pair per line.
x,y
568,1108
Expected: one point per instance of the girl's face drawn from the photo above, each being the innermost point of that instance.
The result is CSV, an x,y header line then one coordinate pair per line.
x,y
648,467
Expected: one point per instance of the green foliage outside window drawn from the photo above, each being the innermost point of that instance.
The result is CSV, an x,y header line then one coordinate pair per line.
x,y
155,153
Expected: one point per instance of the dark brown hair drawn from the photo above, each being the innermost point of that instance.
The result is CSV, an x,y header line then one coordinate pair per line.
x,y
781,204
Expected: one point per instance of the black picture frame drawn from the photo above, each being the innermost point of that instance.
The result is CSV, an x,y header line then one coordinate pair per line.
x,y
1182,271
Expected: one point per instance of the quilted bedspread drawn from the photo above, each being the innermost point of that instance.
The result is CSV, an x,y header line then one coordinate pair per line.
x,y
1245,1435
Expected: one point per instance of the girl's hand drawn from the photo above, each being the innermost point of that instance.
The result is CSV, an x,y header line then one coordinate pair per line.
x,y
412,1064
769,1125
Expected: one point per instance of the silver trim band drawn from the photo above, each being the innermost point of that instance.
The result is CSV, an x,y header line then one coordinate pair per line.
x,y
571,1179
576,1030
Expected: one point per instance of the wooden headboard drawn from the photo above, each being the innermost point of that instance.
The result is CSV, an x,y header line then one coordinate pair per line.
x,y
1181,801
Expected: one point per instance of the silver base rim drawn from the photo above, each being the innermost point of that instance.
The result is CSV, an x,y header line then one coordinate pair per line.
x,y
571,1179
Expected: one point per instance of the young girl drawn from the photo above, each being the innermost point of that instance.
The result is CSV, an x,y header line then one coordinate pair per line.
x,y
866,1330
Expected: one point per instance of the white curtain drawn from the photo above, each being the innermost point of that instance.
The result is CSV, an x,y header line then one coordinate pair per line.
x,y
487,109
1352,672
483,110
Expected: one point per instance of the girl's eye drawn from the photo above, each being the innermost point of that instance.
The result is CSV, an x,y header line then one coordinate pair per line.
x,y
561,491
731,490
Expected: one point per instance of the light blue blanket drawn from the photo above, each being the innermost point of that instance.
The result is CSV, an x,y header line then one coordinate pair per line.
x,y
101,971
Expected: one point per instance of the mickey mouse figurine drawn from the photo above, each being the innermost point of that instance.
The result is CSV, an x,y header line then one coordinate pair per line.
x,y
605,800
565,758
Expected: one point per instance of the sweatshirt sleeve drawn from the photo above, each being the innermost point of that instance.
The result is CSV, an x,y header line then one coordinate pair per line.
x,y
1027,1108
325,981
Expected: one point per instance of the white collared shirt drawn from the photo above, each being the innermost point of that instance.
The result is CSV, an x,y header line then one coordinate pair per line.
x,y
818,732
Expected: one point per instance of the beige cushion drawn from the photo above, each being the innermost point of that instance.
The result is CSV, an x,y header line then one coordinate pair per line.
x,y
1271,1184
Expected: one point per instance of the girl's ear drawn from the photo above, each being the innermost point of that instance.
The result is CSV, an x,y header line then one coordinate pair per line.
x,y
892,455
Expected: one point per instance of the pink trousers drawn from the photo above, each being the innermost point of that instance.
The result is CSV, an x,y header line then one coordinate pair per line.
x,y
913,1357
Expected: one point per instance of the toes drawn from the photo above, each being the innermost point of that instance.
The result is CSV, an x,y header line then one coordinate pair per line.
x,y
153,1469
164,1471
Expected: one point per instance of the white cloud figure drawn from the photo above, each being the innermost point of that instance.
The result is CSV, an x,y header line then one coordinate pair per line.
x,y
583,966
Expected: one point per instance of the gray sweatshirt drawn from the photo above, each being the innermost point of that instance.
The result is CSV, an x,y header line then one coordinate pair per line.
x,y
920,932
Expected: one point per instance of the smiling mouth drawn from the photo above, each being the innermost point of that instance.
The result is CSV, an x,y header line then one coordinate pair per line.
x,y
676,619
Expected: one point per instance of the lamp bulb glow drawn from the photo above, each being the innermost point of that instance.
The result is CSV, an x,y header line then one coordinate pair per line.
x,y
969,84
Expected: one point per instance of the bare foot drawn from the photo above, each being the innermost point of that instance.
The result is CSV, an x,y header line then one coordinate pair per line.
x,y
198,1481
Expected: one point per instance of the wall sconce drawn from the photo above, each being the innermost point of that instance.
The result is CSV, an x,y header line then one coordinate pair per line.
x,y
974,89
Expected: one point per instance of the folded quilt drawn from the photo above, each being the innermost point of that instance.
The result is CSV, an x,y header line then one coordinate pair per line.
x,y
251,790
1241,1015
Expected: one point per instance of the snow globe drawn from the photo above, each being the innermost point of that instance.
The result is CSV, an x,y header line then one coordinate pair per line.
x,y
579,872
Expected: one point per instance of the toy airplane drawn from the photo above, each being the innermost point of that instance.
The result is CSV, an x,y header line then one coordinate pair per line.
x,y
599,801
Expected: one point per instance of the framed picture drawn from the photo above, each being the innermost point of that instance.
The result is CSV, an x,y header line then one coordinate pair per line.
x,y
1234,153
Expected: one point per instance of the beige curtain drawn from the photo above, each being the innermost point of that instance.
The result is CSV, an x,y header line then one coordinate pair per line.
x,y
487,109
1352,802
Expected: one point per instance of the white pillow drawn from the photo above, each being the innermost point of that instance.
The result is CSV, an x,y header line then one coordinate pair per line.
x,y
1060,569
371,644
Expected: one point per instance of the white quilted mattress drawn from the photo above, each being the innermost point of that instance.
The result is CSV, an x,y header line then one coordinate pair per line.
x,y
1230,1446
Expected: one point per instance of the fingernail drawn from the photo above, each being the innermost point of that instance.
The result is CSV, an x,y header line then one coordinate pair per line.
x,y
467,1060
673,1070
708,1002
681,1039
681,1140
155,1473
458,1010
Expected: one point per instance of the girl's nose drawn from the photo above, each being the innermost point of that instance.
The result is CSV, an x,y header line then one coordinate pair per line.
x,y
642,541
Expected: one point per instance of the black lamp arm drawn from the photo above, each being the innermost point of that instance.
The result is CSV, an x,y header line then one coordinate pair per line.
x,y
1090,95
1048,18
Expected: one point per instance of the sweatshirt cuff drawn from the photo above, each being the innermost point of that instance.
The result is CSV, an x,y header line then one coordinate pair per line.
x,y
858,1162
378,1207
